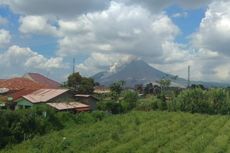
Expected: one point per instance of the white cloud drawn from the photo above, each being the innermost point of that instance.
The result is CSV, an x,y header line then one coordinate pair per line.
x,y
22,60
55,8
98,62
5,37
180,15
110,35
214,30
159,5
119,29
36,25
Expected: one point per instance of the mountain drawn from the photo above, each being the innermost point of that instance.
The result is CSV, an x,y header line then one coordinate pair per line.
x,y
41,79
135,72
139,72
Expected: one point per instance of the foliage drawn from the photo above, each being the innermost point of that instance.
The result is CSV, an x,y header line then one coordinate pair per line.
x,y
20,125
116,89
194,100
110,106
80,84
140,132
148,104
129,100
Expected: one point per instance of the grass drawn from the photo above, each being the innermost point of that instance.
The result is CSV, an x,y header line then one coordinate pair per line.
x,y
138,132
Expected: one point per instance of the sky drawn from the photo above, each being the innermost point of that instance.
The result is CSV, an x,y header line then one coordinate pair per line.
x,y
45,35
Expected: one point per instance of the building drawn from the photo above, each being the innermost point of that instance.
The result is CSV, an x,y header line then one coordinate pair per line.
x,y
70,106
44,96
15,88
87,99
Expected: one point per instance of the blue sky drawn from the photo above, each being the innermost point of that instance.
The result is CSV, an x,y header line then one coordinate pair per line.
x,y
44,36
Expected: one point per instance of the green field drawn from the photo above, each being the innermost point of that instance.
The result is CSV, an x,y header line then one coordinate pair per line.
x,y
138,132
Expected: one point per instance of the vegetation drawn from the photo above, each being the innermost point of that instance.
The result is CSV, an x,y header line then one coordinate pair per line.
x,y
21,125
80,84
138,132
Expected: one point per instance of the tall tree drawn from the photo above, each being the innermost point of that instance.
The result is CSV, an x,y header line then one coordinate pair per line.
x,y
80,84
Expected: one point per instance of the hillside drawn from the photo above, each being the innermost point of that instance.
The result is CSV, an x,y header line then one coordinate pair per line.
x,y
135,72
139,72
138,132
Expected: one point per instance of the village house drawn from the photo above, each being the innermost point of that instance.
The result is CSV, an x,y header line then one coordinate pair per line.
x,y
15,88
70,106
88,100
44,96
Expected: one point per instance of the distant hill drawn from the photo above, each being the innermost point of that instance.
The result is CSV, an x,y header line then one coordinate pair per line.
x,y
41,79
139,72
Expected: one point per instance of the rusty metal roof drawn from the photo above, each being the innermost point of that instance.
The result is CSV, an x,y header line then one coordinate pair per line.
x,y
69,105
44,95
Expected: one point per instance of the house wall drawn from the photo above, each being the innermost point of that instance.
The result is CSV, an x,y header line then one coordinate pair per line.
x,y
89,101
66,97
23,103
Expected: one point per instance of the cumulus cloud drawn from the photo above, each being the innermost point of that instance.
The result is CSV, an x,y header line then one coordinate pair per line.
x,y
111,33
159,5
214,30
211,43
119,29
98,62
20,60
180,15
36,25
5,37
55,8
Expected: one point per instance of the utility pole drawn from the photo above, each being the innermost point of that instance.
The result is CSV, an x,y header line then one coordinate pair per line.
x,y
188,76
73,65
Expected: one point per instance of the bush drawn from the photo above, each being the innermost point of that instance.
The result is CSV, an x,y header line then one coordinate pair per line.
x,y
20,125
193,100
129,100
149,104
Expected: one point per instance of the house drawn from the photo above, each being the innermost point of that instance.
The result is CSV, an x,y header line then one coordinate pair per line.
x,y
70,106
87,99
44,96
41,79
19,87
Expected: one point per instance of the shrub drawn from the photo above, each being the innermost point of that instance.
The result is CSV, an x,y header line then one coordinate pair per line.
x,y
129,100
193,100
149,104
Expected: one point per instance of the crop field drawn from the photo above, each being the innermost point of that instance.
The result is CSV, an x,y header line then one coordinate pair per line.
x,y
138,132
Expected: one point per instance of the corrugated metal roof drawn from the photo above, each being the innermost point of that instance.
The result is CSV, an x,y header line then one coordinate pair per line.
x,y
85,96
44,95
19,93
69,105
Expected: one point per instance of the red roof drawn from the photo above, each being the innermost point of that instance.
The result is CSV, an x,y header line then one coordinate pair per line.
x,y
20,93
21,83
38,78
